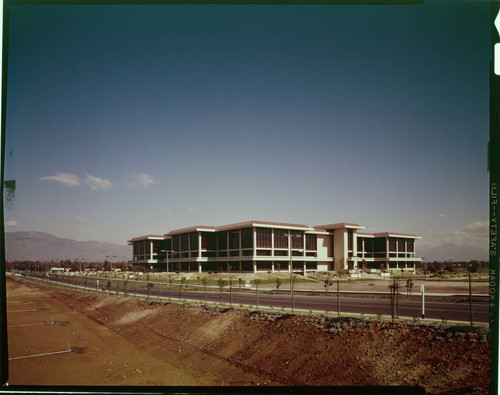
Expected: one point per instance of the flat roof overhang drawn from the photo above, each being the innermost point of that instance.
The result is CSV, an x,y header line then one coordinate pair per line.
x,y
147,237
342,225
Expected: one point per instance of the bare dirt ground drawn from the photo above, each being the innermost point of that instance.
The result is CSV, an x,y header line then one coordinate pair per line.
x,y
123,341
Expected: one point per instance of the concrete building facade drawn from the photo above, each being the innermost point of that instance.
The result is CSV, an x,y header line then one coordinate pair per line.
x,y
257,246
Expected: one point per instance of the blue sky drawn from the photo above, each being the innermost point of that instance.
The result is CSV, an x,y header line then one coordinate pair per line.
x,y
131,120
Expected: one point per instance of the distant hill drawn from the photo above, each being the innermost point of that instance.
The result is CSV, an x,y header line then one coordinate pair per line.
x,y
27,246
444,252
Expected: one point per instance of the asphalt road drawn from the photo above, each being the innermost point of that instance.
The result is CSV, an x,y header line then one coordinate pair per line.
x,y
453,311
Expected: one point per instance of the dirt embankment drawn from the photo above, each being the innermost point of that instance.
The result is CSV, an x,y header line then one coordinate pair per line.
x,y
249,348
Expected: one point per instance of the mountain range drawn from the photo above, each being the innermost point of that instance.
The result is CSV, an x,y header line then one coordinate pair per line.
x,y
43,246
27,246
455,252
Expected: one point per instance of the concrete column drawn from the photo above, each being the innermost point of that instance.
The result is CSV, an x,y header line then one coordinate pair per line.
x,y
254,231
151,250
199,267
305,268
272,242
355,246
255,266
199,244
290,263
272,266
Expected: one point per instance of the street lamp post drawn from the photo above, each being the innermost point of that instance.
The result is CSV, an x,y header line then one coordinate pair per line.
x,y
291,267
111,262
166,255
425,267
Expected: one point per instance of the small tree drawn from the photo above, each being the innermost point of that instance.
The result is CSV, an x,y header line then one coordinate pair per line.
x,y
409,286
183,283
222,283
327,284
473,267
240,282
257,282
278,283
150,285
204,281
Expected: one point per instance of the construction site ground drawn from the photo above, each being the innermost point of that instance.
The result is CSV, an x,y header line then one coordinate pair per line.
x,y
97,340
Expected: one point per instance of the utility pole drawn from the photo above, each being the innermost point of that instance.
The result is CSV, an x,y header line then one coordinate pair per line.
x,y
257,294
422,289
470,302
397,299
338,298
230,293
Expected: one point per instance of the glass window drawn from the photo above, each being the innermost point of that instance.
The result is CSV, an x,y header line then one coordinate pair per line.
x,y
311,242
264,252
392,244
297,239
234,239
176,241
349,239
263,238
359,243
193,239
246,238
368,245
280,253
208,241
280,238
401,245
222,240
410,244
379,244
184,242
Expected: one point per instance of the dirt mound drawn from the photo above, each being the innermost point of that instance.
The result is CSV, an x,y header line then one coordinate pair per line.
x,y
238,347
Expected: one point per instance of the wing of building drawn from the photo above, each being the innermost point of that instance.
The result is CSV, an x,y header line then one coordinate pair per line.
x,y
255,246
